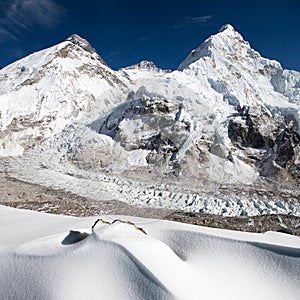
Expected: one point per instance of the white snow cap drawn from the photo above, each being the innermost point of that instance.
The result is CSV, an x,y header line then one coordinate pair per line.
x,y
85,45
217,43
78,40
226,27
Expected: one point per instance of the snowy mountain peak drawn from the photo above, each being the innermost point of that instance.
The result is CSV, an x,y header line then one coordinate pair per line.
x,y
228,31
228,35
77,40
81,42
226,27
228,62
227,42
46,90
144,65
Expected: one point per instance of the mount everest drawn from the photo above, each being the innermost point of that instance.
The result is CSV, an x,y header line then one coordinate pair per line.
x,y
226,122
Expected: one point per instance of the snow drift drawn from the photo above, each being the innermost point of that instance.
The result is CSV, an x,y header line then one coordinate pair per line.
x,y
56,257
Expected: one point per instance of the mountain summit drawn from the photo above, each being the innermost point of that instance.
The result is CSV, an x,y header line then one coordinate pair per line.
x,y
81,42
226,42
85,45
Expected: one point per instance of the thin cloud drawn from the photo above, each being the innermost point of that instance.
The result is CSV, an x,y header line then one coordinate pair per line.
x,y
195,21
112,55
4,34
26,14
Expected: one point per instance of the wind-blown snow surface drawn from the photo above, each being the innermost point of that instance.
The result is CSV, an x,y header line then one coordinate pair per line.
x,y
56,257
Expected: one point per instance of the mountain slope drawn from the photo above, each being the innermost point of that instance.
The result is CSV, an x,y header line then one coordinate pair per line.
x,y
265,97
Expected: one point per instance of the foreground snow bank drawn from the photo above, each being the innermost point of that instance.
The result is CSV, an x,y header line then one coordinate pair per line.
x,y
57,257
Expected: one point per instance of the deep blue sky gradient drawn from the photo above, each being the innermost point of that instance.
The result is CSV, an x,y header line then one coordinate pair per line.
x,y
126,32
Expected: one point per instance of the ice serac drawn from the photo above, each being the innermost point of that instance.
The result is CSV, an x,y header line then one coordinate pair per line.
x,y
44,91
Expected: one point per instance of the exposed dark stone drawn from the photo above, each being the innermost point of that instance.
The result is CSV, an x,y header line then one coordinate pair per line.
x,y
291,122
237,132
275,137
255,128
160,128
286,143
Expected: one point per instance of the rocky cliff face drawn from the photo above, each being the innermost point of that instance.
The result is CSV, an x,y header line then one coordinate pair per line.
x,y
274,139
152,123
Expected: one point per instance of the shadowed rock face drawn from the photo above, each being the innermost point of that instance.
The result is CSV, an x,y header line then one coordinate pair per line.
x,y
286,152
286,147
156,125
255,128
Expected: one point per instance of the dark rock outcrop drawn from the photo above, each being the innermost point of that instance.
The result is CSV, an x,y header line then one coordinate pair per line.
x,y
255,127
274,136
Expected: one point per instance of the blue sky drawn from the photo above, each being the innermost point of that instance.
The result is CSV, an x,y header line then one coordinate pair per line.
x,y
126,32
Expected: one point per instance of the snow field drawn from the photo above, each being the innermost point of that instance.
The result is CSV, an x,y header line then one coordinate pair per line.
x,y
55,257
